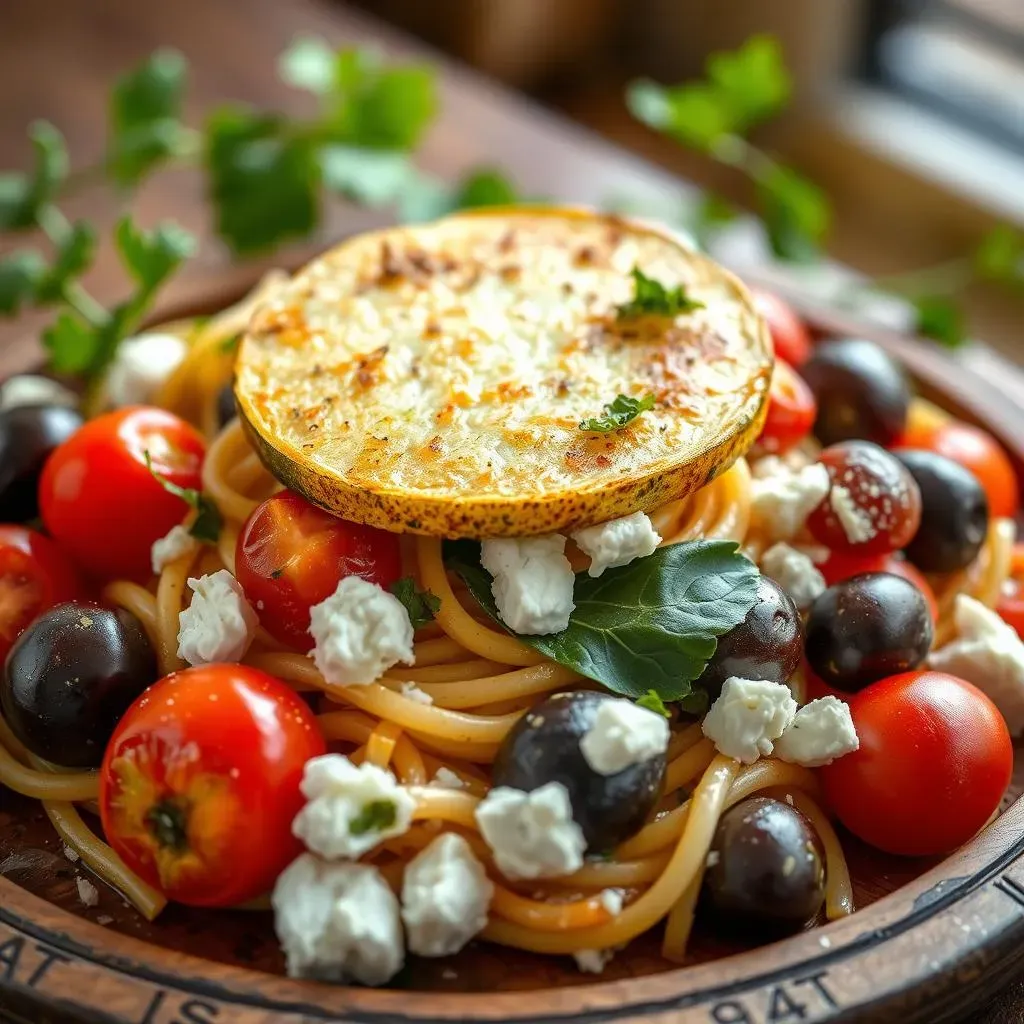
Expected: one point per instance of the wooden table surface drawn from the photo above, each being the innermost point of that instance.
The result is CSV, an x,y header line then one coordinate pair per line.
x,y
58,59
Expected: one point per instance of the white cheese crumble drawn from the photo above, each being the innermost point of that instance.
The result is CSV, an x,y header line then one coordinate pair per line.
x,y
445,896
413,692
611,900
820,732
337,922
747,718
141,365
72,855
618,542
533,582
32,389
87,892
794,571
359,632
219,624
856,523
593,961
350,809
988,653
781,498
532,835
621,735
177,542
445,778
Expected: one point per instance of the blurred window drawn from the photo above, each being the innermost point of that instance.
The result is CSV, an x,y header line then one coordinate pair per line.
x,y
962,58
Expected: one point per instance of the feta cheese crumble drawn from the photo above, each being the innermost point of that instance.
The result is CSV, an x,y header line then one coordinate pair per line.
x,y
219,624
795,572
337,922
621,735
141,365
350,809
611,899
177,542
617,542
533,582
87,892
413,692
360,631
33,389
445,778
532,835
445,896
782,498
988,653
593,961
856,523
820,732
747,718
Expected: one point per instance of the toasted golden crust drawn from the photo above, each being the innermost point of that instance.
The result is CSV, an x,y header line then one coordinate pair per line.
x,y
433,378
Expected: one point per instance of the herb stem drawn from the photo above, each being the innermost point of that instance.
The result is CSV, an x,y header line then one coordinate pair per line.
x,y
84,304
951,276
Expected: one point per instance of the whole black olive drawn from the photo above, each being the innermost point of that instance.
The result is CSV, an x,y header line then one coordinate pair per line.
x,y
28,434
767,644
862,393
868,627
544,746
765,870
71,676
226,410
954,512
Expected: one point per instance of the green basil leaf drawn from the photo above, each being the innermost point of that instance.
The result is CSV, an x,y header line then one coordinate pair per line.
x,y
421,605
74,256
208,521
152,256
372,177
940,318
73,345
617,414
752,81
652,298
649,625
20,275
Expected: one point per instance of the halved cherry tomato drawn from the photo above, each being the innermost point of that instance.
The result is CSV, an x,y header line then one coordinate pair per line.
x,y
791,410
935,759
291,555
100,501
841,565
789,335
975,449
200,783
35,575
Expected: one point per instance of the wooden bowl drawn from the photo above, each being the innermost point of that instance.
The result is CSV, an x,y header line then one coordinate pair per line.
x,y
932,941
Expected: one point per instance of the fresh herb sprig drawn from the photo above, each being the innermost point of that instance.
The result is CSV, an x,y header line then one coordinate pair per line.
x,y
421,605
653,702
617,414
652,298
207,525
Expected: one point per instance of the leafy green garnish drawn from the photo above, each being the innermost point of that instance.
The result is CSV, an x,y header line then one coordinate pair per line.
x,y
20,275
652,298
375,816
653,702
940,318
23,196
652,624
1000,256
796,213
617,414
208,521
421,605
426,198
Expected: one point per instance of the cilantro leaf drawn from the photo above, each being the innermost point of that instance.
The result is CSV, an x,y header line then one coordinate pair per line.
x,y
375,816
208,521
74,345
264,181
617,414
373,177
74,256
652,298
152,256
653,702
1000,256
693,114
21,195
392,109
308,63
20,275
751,82
940,318
796,213
421,605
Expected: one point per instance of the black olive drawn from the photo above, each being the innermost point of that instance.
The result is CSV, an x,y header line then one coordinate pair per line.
x,y
71,676
28,434
544,746
767,644
954,512
868,627
765,870
226,410
862,393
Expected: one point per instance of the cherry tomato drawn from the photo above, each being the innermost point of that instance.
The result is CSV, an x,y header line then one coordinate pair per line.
x,y
100,501
791,410
874,505
1011,602
200,783
841,565
975,449
35,575
789,335
934,761
291,555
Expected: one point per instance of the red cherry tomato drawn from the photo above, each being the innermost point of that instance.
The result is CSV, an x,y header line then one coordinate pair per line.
x,y
975,449
874,505
791,410
841,565
789,336
1011,602
934,761
200,783
100,501
291,555
35,575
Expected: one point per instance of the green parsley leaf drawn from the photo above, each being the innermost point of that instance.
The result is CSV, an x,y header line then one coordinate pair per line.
x,y
485,187
796,214
421,605
751,82
941,318
152,256
391,109
22,196
74,256
145,111
652,624
208,522
20,275
372,177
264,181
1000,256
308,63
652,298
74,345
617,414
375,816
653,702
692,114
